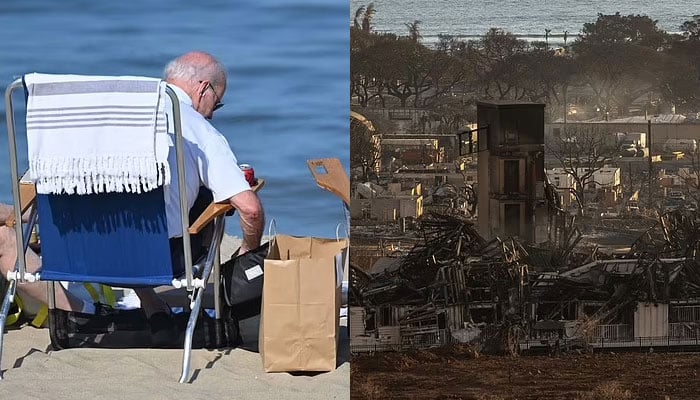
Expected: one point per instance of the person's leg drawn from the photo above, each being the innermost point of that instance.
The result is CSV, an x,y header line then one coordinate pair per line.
x,y
151,302
5,211
36,290
162,326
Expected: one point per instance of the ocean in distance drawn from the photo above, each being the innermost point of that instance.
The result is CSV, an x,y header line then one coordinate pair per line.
x,y
287,98
526,18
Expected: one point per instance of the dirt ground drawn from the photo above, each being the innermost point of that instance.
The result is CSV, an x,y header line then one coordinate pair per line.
x,y
461,374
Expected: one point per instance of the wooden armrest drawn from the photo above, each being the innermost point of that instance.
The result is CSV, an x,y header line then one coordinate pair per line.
x,y
27,197
213,210
331,176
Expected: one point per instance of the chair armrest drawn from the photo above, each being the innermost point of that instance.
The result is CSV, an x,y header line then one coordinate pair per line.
x,y
213,210
27,197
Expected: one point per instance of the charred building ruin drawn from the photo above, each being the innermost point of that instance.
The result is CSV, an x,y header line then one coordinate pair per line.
x,y
511,170
522,273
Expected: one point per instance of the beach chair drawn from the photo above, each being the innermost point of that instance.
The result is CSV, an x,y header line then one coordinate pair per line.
x,y
118,238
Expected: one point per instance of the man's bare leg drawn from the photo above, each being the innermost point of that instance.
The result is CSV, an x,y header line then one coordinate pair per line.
x,y
36,290
151,302
5,211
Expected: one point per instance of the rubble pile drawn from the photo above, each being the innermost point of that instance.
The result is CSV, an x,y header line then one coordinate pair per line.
x,y
511,286
662,265
451,246
447,240
452,266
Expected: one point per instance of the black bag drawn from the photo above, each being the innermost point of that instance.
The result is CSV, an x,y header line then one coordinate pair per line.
x,y
242,281
114,328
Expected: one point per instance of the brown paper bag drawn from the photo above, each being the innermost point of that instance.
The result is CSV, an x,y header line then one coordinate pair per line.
x,y
300,306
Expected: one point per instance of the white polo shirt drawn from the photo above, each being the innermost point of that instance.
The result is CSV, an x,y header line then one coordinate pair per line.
x,y
209,161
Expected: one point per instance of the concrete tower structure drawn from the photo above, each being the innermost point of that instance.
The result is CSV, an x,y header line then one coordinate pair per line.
x,y
511,170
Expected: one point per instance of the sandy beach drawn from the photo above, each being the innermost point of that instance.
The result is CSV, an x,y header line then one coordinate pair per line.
x,y
32,371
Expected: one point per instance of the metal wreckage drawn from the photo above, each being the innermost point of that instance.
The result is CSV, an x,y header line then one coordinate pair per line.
x,y
456,286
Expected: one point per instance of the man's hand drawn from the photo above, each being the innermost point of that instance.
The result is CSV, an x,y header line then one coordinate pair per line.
x,y
252,218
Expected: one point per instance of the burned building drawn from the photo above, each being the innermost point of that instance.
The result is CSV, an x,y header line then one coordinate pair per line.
x,y
521,277
511,170
457,286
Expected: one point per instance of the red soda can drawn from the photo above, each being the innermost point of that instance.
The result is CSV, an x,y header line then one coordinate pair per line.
x,y
249,173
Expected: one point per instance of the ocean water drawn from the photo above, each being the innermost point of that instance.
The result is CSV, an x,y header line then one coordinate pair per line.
x,y
287,98
528,18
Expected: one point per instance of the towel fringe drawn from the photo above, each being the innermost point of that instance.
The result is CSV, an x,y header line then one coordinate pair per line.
x,y
72,175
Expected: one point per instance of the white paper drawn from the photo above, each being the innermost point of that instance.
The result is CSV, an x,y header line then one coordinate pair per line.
x,y
254,272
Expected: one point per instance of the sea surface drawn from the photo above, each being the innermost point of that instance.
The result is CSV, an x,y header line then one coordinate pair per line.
x,y
287,99
527,18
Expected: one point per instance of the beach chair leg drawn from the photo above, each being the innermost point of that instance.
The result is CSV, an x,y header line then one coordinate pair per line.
x,y
4,310
217,285
197,295
191,323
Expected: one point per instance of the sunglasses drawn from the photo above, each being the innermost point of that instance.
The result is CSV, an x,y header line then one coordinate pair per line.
x,y
218,104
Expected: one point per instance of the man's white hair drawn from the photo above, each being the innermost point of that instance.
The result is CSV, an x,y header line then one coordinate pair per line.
x,y
183,68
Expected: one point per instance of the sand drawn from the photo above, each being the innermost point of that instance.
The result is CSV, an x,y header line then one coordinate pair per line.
x,y
32,371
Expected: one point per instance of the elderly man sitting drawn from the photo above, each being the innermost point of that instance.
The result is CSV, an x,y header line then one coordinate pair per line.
x,y
200,82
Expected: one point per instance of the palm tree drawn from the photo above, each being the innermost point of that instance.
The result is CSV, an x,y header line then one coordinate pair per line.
x,y
414,31
358,14
367,17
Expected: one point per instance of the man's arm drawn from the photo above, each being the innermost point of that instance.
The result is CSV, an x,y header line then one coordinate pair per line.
x,y
252,218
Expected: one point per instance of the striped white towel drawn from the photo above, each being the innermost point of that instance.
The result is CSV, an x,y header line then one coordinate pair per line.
x,y
96,134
